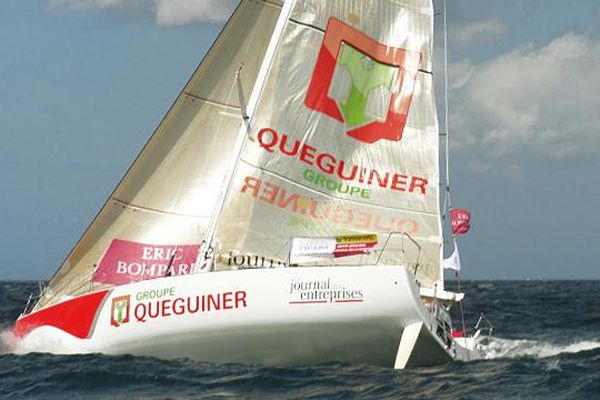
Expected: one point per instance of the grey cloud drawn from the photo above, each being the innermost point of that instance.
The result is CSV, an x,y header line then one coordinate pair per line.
x,y
469,34
540,101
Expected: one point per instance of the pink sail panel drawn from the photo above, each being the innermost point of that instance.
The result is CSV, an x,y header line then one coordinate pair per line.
x,y
126,261
461,221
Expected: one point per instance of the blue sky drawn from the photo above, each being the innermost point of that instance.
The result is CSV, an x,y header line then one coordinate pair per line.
x,y
85,82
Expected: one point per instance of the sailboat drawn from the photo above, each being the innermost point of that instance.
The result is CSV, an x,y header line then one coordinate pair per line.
x,y
301,225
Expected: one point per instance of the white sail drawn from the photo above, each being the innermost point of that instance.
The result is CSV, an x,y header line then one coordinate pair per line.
x,y
343,140
157,216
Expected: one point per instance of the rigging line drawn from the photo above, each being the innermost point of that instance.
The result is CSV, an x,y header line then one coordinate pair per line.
x,y
448,199
206,251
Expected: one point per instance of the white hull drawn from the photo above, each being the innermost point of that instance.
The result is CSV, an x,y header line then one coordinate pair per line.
x,y
274,316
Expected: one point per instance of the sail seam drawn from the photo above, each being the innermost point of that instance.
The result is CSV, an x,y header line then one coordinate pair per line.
x,y
316,191
212,102
154,210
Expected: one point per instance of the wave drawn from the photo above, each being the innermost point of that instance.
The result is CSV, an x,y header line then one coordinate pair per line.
x,y
506,348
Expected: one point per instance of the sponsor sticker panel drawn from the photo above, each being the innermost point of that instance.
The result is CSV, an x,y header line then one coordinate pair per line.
x,y
323,291
169,303
127,261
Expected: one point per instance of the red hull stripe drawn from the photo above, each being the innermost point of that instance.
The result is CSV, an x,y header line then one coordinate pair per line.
x,y
74,316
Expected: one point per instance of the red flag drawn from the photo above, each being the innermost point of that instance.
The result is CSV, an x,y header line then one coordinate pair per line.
x,y
461,221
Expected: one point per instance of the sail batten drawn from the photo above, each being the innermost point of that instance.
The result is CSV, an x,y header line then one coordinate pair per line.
x,y
153,210
214,102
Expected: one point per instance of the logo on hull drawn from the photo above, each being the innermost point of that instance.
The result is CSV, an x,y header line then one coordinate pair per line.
x,y
364,84
119,313
323,291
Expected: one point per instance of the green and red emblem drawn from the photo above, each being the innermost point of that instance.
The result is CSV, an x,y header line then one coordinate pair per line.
x,y
362,83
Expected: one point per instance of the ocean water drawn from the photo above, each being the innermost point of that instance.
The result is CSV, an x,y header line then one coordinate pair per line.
x,y
545,345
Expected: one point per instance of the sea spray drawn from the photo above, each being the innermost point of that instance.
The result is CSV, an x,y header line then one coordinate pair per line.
x,y
8,340
505,348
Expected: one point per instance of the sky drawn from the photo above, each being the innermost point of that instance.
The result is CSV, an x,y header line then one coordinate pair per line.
x,y
84,83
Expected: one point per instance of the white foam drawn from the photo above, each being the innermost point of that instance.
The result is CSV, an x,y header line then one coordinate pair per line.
x,y
505,348
8,341
48,339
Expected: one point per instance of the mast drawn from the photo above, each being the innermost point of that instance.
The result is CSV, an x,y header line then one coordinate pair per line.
x,y
207,244
447,194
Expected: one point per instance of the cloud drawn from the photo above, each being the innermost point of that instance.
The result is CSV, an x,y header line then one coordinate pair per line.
x,y
166,12
537,101
469,34
84,5
180,12
460,73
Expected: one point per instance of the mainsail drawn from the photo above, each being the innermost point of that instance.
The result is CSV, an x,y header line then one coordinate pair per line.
x,y
158,214
343,140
